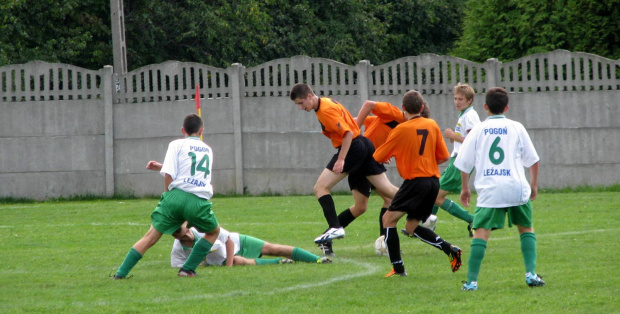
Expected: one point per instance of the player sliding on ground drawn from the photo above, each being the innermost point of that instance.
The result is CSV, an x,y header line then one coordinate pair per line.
x,y
244,249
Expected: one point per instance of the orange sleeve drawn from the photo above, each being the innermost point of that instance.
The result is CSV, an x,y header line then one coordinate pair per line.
x,y
386,118
385,111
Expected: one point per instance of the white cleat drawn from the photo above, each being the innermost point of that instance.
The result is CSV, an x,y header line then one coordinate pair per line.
x,y
330,234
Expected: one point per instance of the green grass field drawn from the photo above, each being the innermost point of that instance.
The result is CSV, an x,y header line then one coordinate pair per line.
x,y
57,257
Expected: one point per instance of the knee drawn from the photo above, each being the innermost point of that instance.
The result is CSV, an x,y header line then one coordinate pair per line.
x,y
319,190
358,210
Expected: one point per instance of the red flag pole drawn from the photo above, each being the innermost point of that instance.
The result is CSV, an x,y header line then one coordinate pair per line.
x,y
197,99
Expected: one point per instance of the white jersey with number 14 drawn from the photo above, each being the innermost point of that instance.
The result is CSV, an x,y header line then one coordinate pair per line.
x,y
499,149
188,161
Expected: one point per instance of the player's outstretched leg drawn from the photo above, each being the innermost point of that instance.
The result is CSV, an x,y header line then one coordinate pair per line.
x,y
431,238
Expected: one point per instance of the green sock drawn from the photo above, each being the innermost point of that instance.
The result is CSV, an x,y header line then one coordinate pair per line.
x,y
457,211
304,256
478,247
528,248
266,261
198,254
131,259
435,209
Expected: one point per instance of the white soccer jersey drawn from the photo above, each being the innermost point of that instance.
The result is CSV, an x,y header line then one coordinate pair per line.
x,y
217,254
189,161
498,148
467,121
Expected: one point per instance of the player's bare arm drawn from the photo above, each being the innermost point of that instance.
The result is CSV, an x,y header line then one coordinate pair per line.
x,y
344,149
167,180
534,180
366,109
230,252
154,165
465,192
449,133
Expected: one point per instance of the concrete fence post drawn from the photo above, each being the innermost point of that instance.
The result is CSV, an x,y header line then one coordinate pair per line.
x,y
492,73
236,87
107,79
363,79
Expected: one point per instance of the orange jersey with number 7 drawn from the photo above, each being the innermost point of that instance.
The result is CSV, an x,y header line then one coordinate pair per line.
x,y
416,145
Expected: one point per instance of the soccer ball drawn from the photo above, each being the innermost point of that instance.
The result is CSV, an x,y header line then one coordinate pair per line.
x,y
380,247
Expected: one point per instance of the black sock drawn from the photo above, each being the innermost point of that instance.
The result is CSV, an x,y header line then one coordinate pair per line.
x,y
381,229
393,245
329,210
430,237
346,217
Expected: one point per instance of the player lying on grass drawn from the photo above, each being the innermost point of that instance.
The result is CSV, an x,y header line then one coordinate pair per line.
x,y
186,198
246,250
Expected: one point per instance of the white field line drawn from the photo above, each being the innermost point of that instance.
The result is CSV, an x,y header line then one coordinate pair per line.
x,y
367,269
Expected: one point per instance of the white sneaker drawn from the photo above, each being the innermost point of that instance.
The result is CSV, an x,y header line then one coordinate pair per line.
x,y
430,222
330,234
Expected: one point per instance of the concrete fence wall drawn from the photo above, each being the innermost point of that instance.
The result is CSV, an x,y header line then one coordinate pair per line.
x,y
67,131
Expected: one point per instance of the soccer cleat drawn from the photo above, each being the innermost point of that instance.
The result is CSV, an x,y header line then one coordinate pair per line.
x,y
430,222
473,286
330,234
186,273
324,260
455,258
405,233
470,230
326,248
286,261
393,273
534,280
117,277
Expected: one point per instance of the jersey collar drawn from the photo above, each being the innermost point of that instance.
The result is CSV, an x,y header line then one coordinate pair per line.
x,y
463,112
318,106
497,116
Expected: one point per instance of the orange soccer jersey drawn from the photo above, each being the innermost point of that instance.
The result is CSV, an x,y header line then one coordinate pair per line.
x,y
335,120
377,128
416,145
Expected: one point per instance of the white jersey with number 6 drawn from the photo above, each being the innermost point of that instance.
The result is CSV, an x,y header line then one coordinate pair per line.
x,y
188,161
498,148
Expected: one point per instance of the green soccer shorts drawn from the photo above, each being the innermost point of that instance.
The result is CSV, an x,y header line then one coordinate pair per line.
x,y
495,218
450,179
250,247
177,206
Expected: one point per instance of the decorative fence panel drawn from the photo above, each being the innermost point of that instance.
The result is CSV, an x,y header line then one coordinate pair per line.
x,y
42,81
172,80
559,71
65,101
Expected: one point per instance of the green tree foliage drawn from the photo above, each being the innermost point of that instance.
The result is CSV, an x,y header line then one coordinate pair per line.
x,y
511,29
69,31
418,26
222,32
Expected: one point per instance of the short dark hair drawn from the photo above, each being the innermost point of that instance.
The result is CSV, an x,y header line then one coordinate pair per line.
x,y
192,123
413,101
301,90
426,111
496,100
